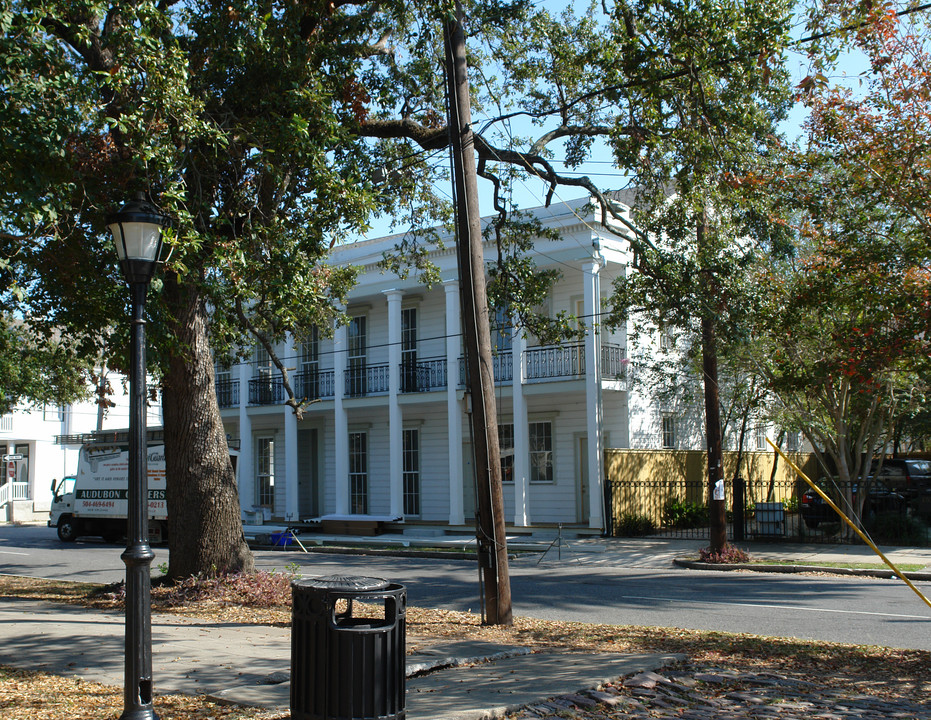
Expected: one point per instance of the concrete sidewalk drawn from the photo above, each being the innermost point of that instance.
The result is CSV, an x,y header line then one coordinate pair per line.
x,y
249,664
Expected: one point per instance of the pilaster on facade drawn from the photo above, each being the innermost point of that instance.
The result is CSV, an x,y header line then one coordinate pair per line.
x,y
453,406
290,445
395,417
521,459
594,422
340,420
246,460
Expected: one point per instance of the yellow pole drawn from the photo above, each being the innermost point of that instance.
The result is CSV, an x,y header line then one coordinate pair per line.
x,y
849,522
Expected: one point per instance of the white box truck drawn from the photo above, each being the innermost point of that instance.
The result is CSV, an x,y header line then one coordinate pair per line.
x,y
95,501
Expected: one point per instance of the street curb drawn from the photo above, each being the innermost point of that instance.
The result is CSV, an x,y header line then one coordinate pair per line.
x,y
386,552
796,569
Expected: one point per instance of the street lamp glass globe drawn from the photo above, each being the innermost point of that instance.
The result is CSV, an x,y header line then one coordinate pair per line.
x,y
137,230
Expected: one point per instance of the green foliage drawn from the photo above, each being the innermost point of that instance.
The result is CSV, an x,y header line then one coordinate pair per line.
x,y
893,528
791,504
634,525
684,514
39,371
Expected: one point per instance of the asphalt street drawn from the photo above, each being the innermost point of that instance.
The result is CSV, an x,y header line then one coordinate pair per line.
x,y
604,587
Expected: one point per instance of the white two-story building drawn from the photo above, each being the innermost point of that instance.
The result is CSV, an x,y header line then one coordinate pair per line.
x,y
389,433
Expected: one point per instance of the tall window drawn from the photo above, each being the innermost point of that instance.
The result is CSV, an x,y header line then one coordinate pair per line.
x,y
310,365
667,340
409,350
265,391
541,451
793,441
506,450
265,472
411,459
357,351
501,330
669,431
358,473
761,438
53,413
225,386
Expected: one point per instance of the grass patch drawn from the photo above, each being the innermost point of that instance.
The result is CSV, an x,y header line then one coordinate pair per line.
x,y
904,567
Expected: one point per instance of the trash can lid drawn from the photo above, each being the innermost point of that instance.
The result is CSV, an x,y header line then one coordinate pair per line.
x,y
344,582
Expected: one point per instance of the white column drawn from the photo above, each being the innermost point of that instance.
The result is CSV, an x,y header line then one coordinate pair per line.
x,y
290,458
246,463
593,391
395,419
453,409
340,421
521,433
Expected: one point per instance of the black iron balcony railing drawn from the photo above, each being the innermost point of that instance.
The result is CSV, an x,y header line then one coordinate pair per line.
x,y
367,380
558,361
613,362
423,375
501,365
266,390
227,393
315,384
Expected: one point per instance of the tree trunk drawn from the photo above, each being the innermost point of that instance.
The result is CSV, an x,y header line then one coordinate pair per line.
x,y
709,350
204,521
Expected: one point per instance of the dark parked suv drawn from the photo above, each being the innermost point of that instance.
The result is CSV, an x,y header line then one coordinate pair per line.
x,y
881,501
907,476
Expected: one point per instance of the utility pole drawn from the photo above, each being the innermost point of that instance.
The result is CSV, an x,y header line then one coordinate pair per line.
x,y
480,380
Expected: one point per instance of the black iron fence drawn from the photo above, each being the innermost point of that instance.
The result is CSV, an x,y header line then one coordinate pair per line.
x,y
773,511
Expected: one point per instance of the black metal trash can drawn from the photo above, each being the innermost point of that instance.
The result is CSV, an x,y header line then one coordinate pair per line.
x,y
345,667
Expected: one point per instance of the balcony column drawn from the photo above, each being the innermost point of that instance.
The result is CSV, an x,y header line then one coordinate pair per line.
x,y
521,431
290,449
593,409
453,409
246,463
395,419
340,420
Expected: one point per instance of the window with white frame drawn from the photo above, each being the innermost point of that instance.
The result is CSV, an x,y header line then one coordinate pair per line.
x,y
409,349
264,389
358,473
541,451
793,441
760,438
501,330
411,469
667,339
669,431
357,355
506,451
310,365
265,471
53,413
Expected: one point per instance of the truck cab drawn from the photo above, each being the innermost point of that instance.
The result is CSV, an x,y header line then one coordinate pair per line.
x,y
60,514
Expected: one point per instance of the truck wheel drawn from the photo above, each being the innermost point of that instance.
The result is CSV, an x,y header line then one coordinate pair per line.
x,y
67,528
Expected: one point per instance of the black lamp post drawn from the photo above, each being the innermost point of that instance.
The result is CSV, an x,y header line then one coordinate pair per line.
x,y
137,234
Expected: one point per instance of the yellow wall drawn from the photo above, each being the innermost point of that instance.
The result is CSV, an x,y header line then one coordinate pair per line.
x,y
643,480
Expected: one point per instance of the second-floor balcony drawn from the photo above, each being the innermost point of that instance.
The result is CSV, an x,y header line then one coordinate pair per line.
x,y
548,363
364,379
423,375
227,392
